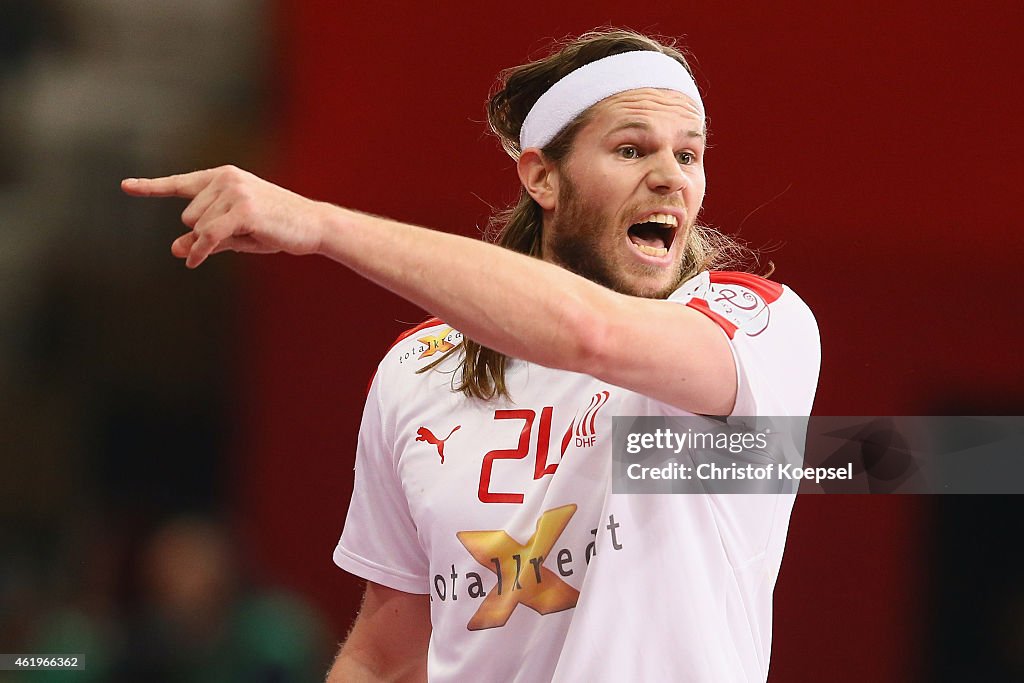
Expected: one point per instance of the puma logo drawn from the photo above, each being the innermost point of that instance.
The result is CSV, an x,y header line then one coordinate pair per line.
x,y
425,434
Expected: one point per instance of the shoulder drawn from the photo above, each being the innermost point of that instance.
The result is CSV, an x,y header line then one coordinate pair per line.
x,y
416,348
423,344
744,302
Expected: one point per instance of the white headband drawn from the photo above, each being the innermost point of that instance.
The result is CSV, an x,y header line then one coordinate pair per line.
x,y
591,83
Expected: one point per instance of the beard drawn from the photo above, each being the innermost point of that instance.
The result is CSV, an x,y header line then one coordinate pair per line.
x,y
575,242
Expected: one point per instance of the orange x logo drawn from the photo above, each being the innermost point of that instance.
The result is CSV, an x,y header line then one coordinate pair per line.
x,y
436,343
521,578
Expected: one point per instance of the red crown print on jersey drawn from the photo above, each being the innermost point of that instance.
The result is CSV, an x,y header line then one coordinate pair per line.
x,y
424,434
583,427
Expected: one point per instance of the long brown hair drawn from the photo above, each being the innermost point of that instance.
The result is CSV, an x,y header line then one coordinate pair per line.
x,y
519,227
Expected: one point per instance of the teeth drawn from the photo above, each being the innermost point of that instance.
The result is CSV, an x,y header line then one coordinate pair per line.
x,y
651,251
663,218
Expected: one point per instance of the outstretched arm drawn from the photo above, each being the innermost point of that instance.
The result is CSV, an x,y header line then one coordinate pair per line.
x,y
515,304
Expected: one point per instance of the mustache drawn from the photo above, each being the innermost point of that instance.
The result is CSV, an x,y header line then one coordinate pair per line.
x,y
640,209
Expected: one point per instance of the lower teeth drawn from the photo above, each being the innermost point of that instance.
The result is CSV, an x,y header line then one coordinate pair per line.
x,y
651,251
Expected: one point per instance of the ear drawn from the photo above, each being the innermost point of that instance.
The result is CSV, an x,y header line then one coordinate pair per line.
x,y
539,175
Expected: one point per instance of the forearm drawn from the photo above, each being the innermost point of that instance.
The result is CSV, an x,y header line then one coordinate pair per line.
x,y
515,304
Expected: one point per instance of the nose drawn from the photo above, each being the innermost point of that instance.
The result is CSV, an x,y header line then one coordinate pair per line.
x,y
665,175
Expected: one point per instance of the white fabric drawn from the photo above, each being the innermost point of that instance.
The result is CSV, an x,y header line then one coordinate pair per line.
x,y
670,587
593,82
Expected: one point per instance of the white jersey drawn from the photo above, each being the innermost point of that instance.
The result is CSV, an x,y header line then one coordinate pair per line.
x,y
502,512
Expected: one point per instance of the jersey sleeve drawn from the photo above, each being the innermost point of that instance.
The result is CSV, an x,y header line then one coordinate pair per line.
x,y
773,337
379,542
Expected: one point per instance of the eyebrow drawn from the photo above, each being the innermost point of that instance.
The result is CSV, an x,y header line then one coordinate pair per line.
x,y
643,125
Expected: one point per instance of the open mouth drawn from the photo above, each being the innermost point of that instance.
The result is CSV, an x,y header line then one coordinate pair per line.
x,y
653,236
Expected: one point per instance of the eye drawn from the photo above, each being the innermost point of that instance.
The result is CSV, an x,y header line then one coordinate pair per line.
x,y
629,152
686,158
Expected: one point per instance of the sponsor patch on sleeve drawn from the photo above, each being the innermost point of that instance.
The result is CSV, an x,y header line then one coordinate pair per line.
x,y
427,341
735,301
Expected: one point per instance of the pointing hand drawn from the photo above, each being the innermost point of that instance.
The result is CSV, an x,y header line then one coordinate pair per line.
x,y
233,210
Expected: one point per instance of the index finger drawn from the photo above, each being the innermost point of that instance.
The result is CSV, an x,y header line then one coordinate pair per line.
x,y
186,185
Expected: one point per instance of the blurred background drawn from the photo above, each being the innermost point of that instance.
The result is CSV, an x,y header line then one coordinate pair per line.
x,y
176,447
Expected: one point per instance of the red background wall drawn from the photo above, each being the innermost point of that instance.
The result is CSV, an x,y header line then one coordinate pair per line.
x,y
877,146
